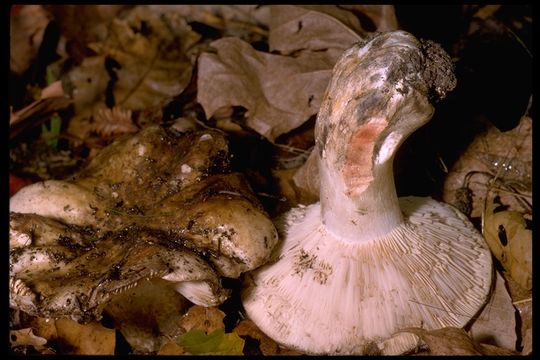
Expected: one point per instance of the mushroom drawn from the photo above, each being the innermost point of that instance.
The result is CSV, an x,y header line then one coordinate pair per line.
x,y
361,264
159,205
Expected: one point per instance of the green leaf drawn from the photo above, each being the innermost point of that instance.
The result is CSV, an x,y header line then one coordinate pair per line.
x,y
216,343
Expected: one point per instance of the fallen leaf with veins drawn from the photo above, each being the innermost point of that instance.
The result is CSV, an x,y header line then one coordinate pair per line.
x,y
142,62
312,27
279,92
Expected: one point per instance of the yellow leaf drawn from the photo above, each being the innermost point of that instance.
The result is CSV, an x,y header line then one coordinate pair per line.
x,y
89,339
510,242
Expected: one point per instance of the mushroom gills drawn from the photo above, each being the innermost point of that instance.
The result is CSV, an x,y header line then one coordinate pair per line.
x,y
348,294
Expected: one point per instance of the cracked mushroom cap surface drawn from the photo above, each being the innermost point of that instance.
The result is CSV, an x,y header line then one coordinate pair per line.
x,y
361,264
157,205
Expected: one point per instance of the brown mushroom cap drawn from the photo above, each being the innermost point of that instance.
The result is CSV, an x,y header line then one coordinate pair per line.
x,y
156,205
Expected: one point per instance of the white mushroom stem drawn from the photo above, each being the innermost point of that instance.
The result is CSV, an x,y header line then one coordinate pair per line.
x,y
361,264
358,135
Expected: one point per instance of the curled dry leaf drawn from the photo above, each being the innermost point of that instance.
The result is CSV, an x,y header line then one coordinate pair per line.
x,y
496,324
453,341
26,33
315,28
279,92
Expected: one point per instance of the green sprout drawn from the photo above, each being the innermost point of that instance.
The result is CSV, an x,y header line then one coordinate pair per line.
x,y
51,132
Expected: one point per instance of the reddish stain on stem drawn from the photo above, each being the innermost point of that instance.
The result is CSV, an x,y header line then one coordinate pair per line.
x,y
358,169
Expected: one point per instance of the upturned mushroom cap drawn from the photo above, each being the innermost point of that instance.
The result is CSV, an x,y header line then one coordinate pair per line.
x,y
156,205
361,264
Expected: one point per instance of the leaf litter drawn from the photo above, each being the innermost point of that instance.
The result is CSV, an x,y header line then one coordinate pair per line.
x,y
274,62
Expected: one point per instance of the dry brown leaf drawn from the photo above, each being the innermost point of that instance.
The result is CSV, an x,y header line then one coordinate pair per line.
x,y
496,324
280,92
247,22
202,318
454,341
27,27
504,155
147,314
151,50
89,339
315,28
267,346
153,65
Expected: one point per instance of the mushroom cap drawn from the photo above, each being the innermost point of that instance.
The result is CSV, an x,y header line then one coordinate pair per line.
x,y
327,295
158,204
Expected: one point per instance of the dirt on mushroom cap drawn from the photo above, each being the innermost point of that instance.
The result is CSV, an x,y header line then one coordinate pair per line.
x,y
155,205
